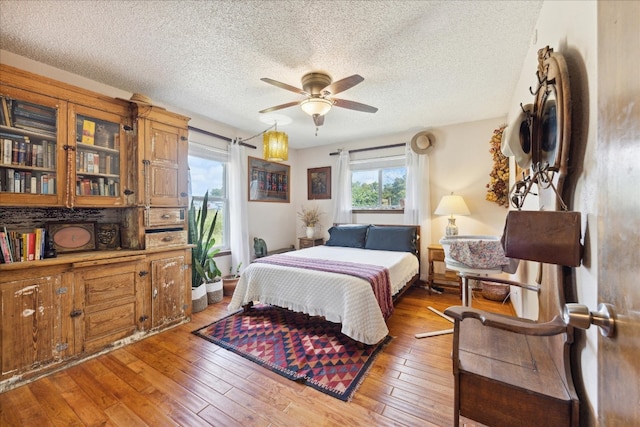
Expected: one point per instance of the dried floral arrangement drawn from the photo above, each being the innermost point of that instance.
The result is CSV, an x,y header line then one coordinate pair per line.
x,y
498,186
310,216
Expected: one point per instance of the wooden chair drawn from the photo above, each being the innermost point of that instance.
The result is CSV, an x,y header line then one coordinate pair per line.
x,y
511,371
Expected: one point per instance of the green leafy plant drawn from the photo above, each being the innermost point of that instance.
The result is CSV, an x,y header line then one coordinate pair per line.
x,y
204,265
233,275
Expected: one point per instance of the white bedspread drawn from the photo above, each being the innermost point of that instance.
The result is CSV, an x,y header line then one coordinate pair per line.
x,y
339,298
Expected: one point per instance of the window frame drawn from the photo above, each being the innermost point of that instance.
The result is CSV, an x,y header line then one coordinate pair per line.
x,y
378,164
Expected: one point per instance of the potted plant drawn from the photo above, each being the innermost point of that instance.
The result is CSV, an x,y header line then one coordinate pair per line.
x,y
310,218
230,281
204,270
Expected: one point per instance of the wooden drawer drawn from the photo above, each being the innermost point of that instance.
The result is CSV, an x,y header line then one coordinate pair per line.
x,y
308,243
165,238
166,217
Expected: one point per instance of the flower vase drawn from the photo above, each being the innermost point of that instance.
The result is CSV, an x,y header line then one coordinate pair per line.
x,y
311,231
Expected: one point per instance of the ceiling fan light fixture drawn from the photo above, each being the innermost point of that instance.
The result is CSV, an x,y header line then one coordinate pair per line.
x,y
319,106
276,146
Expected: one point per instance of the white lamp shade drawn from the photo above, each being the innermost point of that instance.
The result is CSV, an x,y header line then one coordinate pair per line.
x,y
452,205
319,106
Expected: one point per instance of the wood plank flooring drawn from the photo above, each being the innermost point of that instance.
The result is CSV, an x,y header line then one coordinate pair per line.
x,y
176,378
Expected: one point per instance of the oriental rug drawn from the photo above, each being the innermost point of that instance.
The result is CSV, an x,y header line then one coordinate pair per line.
x,y
306,349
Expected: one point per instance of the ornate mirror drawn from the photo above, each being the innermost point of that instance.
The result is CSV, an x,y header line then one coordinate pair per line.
x,y
552,113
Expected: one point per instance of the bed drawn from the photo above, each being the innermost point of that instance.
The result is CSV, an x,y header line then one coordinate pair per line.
x,y
319,281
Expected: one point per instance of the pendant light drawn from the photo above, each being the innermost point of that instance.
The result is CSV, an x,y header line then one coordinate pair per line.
x,y
276,145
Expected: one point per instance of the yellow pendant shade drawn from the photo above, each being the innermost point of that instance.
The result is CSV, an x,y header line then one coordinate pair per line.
x,y
276,146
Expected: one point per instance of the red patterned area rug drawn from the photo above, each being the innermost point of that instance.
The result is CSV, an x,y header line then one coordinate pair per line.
x,y
303,348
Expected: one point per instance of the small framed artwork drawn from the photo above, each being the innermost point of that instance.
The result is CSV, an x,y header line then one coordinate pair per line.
x,y
72,236
108,236
268,181
319,183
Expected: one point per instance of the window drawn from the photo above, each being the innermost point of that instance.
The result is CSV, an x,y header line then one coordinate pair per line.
x,y
378,184
208,174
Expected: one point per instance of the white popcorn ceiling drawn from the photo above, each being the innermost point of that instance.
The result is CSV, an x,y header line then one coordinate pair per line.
x,y
425,63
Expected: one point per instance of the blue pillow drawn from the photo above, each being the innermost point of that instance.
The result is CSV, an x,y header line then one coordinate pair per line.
x,y
399,239
350,236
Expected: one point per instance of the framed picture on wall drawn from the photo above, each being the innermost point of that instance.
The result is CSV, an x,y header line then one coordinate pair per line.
x,y
319,183
268,181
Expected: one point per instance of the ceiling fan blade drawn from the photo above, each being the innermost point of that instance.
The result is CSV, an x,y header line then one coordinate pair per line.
x,y
283,86
279,107
352,105
318,119
344,84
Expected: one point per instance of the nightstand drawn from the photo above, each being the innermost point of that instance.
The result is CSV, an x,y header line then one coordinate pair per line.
x,y
305,242
449,278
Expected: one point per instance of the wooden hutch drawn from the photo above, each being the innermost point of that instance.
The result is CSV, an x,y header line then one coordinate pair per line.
x,y
107,179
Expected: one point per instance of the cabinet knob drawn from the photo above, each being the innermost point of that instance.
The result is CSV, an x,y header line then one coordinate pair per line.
x,y
75,313
183,194
128,192
143,273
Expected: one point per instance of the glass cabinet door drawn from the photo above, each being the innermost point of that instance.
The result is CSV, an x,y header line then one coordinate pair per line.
x,y
30,149
99,157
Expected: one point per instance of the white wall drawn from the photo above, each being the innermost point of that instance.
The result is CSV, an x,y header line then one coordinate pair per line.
x,y
570,27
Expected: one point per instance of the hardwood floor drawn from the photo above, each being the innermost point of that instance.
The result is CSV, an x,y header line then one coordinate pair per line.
x,y
176,378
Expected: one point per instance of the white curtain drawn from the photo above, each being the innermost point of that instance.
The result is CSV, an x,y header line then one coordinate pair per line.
x,y
413,195
238,207
342,205
417,206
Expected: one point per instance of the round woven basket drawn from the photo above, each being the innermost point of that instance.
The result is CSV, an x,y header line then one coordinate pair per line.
x,y
494,291
214,292
199,299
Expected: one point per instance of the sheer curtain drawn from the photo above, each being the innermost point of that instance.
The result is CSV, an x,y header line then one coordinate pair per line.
x,y
413,199
238,207
342,206
417,206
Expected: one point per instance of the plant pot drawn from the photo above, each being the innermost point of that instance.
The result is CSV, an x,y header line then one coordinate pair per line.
x,y
199,298
311,231
214,291
229,284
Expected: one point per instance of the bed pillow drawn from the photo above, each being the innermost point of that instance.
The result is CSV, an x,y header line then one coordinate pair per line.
x,y
399,239
350,236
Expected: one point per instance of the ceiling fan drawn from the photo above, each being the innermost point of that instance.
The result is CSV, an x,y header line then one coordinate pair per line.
x,y
319,88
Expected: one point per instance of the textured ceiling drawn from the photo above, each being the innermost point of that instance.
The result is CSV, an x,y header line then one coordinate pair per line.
x,y
425,63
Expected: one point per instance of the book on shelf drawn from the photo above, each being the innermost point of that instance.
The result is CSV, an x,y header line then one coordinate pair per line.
x,y
37,113
5,248
29,245
22,122
16,182
5,110
38,156
7,152
88,132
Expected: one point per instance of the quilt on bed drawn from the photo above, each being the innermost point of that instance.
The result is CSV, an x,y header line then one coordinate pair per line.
x,y
377,276
340,298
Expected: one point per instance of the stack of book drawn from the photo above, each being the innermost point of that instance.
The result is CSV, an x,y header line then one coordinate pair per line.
x,y
30,117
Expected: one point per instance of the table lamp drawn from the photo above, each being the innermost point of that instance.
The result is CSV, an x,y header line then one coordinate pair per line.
x,y
452,205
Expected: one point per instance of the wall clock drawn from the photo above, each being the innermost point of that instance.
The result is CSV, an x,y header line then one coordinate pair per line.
x,y
72,237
